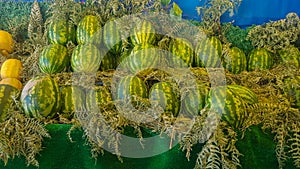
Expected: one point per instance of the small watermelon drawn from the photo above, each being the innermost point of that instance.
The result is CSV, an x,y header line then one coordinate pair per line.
x,y
89,30
99,97
182,53
86,58
259,59
143,33
54,59
235,61
60,32
112,37
166,97
40,97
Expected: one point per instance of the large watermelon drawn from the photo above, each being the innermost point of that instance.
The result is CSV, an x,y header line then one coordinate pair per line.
x,y
54,59
112,37
166,97
235,61
208,53
8,94
141,58
72,100
246,94
182,53
89,30
259,59
130,88
86,58
60,32
194,100
290,56
228,104
40,97
143,33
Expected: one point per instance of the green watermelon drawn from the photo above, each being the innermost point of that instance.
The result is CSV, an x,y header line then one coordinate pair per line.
x,y
109,61
290,55
89,30
143,33
235,61
259,59
292,90
86,58
72,100
99,97
60,32
112,37
194,100
40,97
182,53
54,59
208,53
7,93
246,94
228,104
130,88
164,94
141,58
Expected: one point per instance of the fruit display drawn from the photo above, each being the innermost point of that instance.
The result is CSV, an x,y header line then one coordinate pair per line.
x,y
147,74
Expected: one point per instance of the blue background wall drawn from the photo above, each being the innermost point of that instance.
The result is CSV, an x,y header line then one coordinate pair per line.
x,y
249,12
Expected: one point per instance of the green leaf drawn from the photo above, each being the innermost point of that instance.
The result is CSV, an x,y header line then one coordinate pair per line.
x,y
165,2
176,10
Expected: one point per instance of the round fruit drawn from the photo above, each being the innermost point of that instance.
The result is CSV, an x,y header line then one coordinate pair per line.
x,y
112,37
89,30
11,68
40,97
235,61
6,43
182,54
60,32
259,59
54,59
143,33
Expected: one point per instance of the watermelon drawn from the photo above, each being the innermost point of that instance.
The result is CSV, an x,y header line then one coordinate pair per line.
x,y
246,94
141,58
8,93
112,37
130,88
194,100
290,55
86,58
109,61
143,33
72,100
54,59
89,30
292,90
166,97
181,53
259,59
60,32
99,97
228,104
40,97
235,61
208,53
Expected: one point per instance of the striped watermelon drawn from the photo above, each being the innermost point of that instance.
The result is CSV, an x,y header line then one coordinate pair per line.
x,y
290,55
8,93
235,61
208,53
259,59
181,53
228,104
141,59
130,88
60,32
109,61
99,97
292,90
194,100
247,95
54,59
72,100
164,94
89,30
112,37
143,33
86,58
40,97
